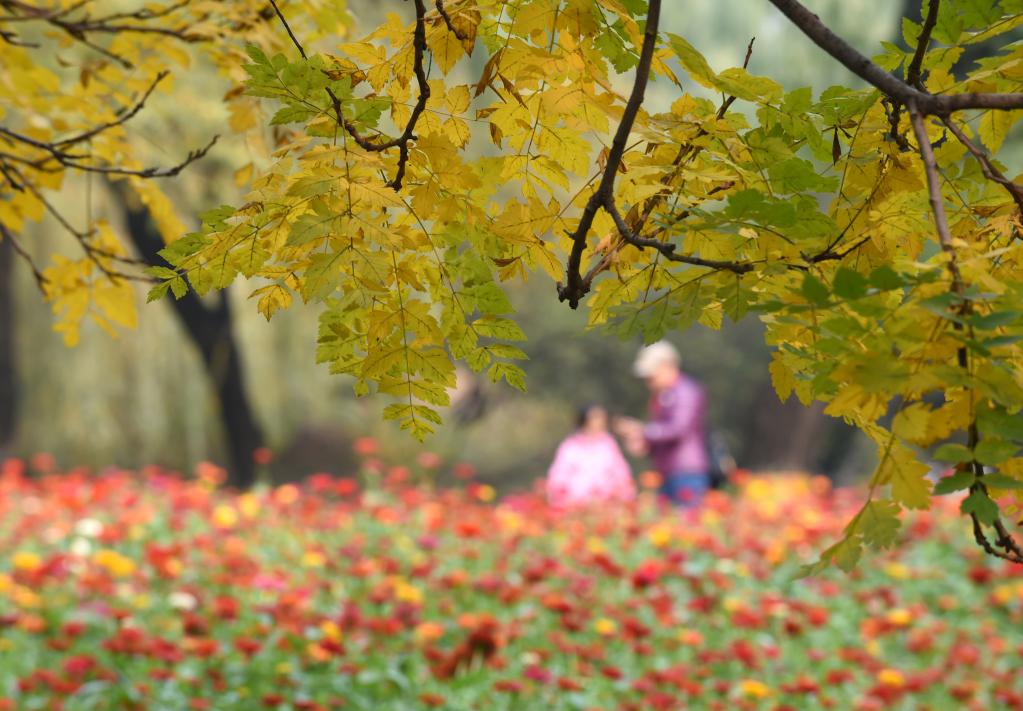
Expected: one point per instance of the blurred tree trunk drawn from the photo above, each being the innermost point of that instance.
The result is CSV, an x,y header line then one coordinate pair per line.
x,y
8,372
783,436
209,328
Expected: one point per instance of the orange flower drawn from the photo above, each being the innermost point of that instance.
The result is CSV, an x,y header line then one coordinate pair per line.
x,y
650,479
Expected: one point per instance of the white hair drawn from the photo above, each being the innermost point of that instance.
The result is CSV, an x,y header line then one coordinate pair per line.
x,y
653,356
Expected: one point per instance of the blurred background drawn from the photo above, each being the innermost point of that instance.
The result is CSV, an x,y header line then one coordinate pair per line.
x,y
149,396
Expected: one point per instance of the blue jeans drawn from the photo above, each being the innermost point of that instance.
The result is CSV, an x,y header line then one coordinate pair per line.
x,y
685,489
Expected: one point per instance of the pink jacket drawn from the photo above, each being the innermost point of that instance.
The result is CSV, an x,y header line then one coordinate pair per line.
x,y
589,469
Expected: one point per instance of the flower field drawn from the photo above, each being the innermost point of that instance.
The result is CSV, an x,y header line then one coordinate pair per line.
x,y
145,591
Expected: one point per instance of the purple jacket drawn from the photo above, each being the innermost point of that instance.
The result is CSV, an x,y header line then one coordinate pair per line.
x,y
675,434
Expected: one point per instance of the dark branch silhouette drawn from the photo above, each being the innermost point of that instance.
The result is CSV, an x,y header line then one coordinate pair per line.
x,y
892,86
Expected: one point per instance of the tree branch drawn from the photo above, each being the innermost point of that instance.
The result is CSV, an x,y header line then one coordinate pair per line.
x,y
893,87
1011,551
574,288
133,22
667,249
923,42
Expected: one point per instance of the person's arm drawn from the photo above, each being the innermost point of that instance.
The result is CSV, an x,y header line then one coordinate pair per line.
x,y
680,419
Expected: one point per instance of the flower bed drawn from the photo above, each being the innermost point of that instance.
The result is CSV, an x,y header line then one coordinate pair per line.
x,y
144,591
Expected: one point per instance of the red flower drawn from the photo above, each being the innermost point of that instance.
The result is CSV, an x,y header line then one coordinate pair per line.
x,y
366,446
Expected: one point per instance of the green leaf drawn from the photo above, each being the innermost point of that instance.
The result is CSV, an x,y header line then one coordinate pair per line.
x,y
884,278
996,319
158,292
815,291
955,482
513,375
498,327
994,451
997,480
694,63
980,505
161,272
179,287
849,284
999,423
293,113
954,453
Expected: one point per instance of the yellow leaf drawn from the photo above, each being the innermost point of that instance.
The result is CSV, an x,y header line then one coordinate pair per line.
x,y
243,175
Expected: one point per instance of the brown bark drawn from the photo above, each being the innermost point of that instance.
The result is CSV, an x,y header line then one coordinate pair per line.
x,y
208,326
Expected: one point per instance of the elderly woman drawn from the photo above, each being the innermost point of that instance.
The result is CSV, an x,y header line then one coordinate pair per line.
x,y
674,437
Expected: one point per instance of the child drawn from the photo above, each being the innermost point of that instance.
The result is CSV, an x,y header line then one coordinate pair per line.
x,y
589,467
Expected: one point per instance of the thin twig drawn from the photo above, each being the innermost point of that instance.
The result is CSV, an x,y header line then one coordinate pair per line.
x,y
667,249
284,21
934,192
8,236
122,117
987,167
407,135
895,88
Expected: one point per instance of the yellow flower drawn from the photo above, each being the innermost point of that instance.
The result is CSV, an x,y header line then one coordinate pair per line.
x,y
225,516
283,668
754,689
660,535
5,583
900,617
605,627
899,571
330,630
120,566
27,561
485,493
731,604
1002,594
891,677
594,545
313,559
249,505
407,593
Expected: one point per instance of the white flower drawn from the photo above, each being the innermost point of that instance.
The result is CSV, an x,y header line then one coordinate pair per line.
x,y
88,527
182,600
81,547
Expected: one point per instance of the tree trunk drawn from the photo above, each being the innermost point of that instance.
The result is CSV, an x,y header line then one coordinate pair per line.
x,y
8,372
209,328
